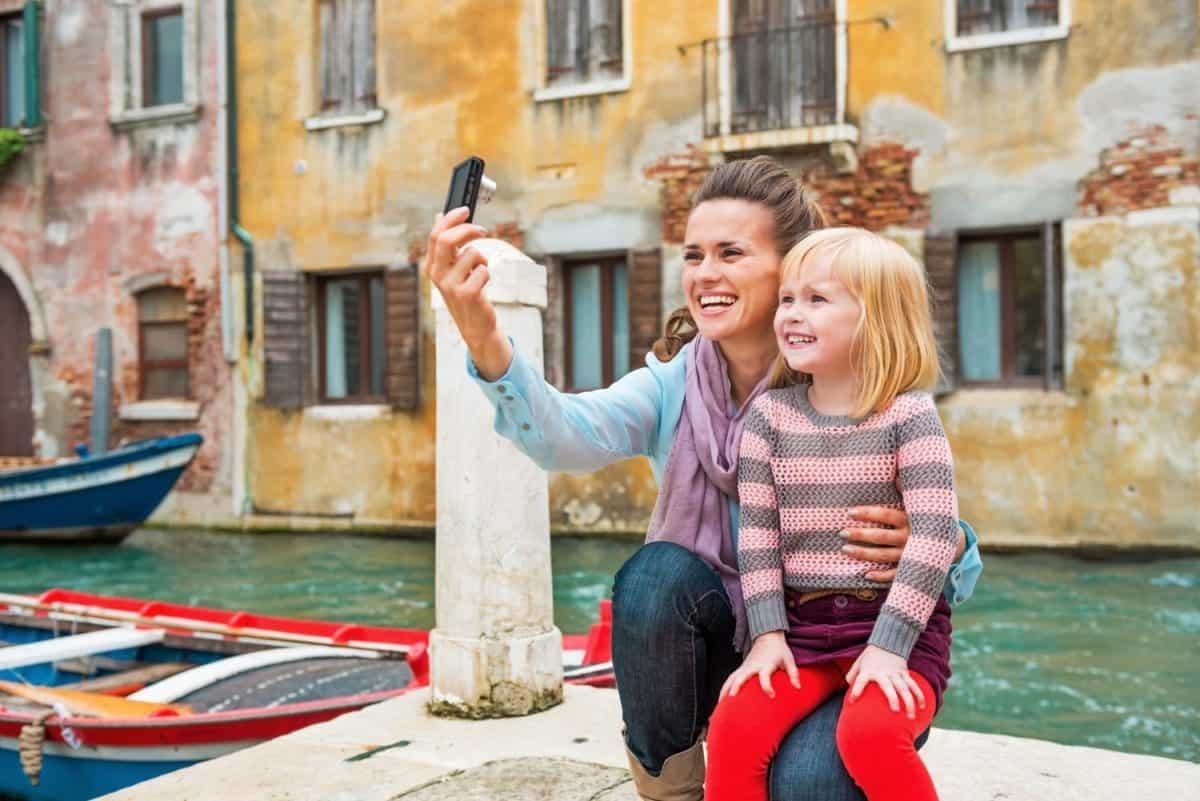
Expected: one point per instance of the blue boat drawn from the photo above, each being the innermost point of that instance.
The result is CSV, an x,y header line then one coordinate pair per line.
x,y
95,498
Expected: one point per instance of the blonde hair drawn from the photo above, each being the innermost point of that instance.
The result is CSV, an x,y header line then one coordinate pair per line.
x,y
893,349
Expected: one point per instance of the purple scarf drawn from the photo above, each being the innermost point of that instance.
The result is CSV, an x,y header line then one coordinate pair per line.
x,y
701,474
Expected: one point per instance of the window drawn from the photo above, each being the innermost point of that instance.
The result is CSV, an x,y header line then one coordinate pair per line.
x,y
784,64
347,59
974,24
12,72
996,16
163,343
162,57
596,320
1008,310
351,342
154,62
584,42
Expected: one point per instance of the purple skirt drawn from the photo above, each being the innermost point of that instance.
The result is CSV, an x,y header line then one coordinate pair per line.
x,y
838,627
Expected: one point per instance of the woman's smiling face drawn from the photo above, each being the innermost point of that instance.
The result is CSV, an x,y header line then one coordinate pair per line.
x,y
731,269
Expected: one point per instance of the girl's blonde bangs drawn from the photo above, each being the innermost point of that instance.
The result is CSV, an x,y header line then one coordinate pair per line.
x,y
894,349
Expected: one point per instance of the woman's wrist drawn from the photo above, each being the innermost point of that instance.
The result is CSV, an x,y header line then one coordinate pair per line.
x,y
492,355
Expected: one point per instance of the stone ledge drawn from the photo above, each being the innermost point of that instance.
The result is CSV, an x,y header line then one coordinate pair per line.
x,y
160,410
396,750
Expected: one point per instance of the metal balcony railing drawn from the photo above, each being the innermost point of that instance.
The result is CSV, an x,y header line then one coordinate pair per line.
x,y
771,79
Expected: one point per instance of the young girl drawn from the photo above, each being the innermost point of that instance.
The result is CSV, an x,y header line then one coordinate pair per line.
x,y
845,426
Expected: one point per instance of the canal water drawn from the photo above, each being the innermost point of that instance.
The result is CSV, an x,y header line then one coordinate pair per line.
x,y
1103,654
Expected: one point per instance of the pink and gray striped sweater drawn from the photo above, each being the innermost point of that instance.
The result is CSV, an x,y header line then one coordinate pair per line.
x,y
799,473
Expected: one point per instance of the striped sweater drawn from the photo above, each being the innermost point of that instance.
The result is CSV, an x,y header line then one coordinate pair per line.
x,y
799,472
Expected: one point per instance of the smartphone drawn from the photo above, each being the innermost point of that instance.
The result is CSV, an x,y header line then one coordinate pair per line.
x,y
469,186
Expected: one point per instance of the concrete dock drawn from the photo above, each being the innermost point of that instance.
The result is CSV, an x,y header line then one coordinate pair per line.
x,y
573,752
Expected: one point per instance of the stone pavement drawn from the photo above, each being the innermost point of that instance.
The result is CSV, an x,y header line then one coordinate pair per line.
x,y
396,750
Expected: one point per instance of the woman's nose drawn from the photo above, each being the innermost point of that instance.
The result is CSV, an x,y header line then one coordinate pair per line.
x,y
707,269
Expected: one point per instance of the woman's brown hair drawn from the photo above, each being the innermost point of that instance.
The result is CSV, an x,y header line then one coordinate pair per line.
x,y
758,180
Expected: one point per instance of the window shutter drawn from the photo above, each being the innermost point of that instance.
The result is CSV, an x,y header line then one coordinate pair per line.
x,y
941,268
1052,275
285,339
403,297
364,53
552,322
645,302
32,54
329,56
558,55
603,37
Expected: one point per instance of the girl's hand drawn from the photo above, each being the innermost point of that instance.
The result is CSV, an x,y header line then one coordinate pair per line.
x,y
883,545
460,274
890,672
769,653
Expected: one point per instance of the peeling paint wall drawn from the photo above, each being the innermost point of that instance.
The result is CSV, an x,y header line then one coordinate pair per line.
x,y
91,213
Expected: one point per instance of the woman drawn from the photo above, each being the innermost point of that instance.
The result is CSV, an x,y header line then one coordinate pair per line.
x,y
678,622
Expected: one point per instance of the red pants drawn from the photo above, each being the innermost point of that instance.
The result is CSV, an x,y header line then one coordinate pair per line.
x,y
876,744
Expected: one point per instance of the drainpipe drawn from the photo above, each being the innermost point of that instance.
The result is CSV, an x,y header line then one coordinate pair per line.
x,y
243,236
243,500
33,98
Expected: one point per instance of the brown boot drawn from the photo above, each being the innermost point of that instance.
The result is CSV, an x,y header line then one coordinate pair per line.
x,y
682,777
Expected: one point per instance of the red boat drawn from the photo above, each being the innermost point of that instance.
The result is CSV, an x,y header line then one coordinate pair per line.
x,y
99,693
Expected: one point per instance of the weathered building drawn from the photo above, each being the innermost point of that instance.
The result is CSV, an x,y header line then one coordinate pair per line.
x,y
1041,157
111,217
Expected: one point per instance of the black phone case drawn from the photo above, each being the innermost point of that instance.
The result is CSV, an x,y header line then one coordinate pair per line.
x,y
464,186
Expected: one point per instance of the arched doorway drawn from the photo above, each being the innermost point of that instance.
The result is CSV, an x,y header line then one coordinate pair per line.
x,y
16,388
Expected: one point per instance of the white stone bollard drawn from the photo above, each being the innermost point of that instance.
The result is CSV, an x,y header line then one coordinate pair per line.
x,y
495,651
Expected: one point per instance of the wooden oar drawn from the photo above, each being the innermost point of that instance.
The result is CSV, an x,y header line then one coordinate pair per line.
x,y
92,705
250,634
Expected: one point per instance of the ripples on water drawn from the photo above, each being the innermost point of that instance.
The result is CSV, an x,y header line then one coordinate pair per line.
x,y
1087,653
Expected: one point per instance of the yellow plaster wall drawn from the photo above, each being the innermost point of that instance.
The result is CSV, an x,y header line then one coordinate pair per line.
x,y
455,77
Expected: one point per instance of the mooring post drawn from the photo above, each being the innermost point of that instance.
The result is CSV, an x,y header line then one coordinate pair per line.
x,y
102,391
495,651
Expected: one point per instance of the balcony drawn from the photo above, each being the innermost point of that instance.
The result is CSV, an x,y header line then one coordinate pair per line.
x,y
774,87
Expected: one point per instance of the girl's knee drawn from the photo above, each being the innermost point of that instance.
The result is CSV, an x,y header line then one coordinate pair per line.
x,y
868,728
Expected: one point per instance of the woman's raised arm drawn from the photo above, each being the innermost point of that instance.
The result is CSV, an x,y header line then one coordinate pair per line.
x,y
559,431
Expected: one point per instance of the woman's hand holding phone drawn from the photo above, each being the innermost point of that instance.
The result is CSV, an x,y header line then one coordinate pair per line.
x,y
460,274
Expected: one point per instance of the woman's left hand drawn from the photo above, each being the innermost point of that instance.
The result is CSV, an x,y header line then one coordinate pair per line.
x,y
883,538
890,672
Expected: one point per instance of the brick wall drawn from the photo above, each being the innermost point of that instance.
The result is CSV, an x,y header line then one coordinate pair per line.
x,y
877,194
1138,173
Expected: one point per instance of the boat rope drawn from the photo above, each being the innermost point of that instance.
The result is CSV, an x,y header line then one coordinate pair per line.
x,y
30,741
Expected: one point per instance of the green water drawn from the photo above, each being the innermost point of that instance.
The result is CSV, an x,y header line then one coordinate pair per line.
x,y
1085,653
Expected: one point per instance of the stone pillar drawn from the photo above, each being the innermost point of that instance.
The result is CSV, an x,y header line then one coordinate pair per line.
x,y
495,651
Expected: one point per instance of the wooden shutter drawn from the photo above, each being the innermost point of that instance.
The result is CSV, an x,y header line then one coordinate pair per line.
x,y
941,267
552,321
285,339
609,28
403,299
559,55
644,269
1052,313
363,54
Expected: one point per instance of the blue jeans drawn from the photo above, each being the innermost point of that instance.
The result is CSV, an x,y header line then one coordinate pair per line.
x,y
672,647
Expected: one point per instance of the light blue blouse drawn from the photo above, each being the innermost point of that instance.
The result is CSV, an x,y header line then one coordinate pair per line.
x,y
636,416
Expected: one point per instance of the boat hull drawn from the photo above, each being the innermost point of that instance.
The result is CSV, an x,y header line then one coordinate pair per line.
x,y
88,757
96,499
110,756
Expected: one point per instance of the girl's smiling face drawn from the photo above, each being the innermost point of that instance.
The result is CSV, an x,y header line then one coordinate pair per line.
x,y
816,319
731,269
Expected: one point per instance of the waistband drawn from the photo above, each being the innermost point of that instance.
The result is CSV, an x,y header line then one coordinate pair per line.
x,y
793,598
